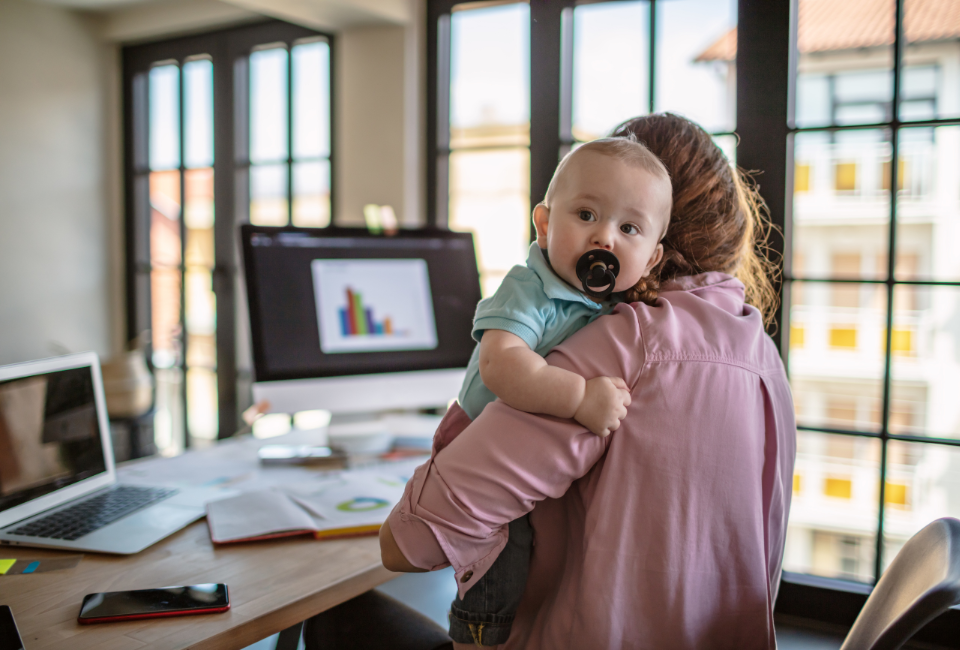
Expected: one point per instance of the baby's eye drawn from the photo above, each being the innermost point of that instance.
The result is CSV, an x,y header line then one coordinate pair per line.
x,y
586,215
629,229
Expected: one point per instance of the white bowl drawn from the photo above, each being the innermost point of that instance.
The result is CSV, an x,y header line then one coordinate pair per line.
x,y
365,438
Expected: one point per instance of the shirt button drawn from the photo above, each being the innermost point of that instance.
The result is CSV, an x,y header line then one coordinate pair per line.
x,y
466,576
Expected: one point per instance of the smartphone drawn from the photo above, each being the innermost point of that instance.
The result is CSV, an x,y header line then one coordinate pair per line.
x,y
154,603
301,455
9,635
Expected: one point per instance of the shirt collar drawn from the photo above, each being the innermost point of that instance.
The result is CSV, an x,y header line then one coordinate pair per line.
x,y
553,284
710,279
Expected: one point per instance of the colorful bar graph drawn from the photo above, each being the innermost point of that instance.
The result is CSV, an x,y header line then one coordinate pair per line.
x,y
358,320
350,314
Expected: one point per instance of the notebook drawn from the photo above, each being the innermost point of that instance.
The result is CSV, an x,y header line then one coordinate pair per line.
x,y
348,505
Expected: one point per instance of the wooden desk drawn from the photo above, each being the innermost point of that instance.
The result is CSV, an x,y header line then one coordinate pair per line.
x,y
273,585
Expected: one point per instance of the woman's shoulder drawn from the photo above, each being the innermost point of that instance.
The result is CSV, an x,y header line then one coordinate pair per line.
x,y
705,317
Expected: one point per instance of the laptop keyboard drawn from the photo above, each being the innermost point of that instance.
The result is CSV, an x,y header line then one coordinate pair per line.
x,y
93,513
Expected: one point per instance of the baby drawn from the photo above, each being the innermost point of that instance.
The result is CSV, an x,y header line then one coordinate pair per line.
x,y
610,194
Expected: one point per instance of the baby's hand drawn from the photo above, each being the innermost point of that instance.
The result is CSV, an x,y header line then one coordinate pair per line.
x,y
604,404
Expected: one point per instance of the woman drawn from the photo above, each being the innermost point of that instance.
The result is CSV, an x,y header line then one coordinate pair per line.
x,y
669,533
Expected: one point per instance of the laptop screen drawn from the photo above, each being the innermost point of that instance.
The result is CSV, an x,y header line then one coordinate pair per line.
x,y
49,434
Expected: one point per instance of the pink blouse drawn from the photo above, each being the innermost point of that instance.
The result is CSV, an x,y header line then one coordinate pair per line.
x,y
669,533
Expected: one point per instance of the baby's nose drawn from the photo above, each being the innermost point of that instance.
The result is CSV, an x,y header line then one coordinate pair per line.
x,y
602,238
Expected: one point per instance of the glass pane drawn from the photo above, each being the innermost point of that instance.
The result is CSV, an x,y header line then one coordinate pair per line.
x,y
198,217
923,484
202,350
168,421
165,218
841,211
311,100
833,517
728,145
926,361
268,105
202,403
611,61
198,113
844,72
490,76
490,196
928,203
165,312
696,61
929,87
268,195
164,117
311,194
201,316
837,349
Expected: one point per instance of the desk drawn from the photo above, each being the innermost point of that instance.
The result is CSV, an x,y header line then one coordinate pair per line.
x,y
273,584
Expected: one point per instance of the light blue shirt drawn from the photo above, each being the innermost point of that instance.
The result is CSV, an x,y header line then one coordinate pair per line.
x,y
536,305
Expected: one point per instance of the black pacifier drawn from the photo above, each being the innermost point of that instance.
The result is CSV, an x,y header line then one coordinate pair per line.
x,y
598,268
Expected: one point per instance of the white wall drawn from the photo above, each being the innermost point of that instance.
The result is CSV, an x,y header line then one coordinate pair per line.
x,y
59,231
369,97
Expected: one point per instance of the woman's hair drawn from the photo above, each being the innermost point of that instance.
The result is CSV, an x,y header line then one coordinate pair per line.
x,y
718,221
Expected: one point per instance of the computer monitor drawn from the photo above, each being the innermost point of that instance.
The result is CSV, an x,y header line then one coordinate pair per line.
x,y
353,322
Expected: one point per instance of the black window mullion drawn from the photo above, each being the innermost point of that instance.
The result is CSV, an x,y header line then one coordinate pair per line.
x,y
567,40
766,38
652,73
546,51
224,226
332,116
181,170
289,133
438,113
137,204
891,279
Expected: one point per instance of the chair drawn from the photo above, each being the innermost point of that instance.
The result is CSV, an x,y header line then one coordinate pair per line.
x,y
922,582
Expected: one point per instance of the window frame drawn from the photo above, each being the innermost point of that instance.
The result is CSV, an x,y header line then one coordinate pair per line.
x,y
229,49
765,124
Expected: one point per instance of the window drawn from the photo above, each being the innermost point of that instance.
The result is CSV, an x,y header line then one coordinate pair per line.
x,y
598,64
221,128
489,134
879,355
289,141
856,126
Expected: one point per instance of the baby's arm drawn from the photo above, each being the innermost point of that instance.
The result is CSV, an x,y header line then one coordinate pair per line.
x,y
523,379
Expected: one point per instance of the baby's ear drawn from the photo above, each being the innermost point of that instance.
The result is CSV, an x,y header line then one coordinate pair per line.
x,y
541,217
654,259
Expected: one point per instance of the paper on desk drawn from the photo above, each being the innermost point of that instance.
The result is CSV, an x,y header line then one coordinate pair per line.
x,y
349,503
229,465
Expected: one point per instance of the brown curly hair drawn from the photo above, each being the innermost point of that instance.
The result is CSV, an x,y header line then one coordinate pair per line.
x,y
718,221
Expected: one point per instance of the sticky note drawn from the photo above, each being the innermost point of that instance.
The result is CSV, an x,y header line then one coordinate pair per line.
x,y
38,565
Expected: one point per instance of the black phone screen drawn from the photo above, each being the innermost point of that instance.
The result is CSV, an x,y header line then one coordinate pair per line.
x,y
9,636
155,601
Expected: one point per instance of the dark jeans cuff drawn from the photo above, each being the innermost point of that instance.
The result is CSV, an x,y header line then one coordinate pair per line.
x,y
479,629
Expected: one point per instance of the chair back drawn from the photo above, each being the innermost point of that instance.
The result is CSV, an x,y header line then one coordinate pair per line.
x,y
922,582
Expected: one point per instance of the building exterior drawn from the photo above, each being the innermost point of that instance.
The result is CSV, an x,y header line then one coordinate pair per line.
x,y
841,231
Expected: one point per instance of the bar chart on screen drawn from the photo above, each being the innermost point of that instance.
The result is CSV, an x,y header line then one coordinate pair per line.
x,y
373,305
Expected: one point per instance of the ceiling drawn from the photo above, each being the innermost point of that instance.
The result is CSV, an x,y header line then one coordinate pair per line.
x,y
125,20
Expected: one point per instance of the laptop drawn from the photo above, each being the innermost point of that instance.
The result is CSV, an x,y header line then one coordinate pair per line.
x,y
58,482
